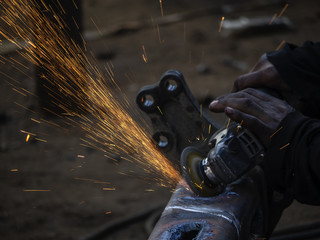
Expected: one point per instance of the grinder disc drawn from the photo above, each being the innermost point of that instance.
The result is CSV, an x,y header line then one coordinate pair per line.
x,y
191,157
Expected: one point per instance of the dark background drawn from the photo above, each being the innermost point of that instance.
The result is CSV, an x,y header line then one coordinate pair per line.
x,y
76,204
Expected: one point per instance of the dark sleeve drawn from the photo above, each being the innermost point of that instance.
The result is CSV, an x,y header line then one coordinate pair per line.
x,y
292,162
300,68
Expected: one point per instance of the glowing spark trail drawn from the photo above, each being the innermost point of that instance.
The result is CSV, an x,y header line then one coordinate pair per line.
x,y
101,110
283,10
221,23
280,45
285,146
160,1
144,55
279,129
273,18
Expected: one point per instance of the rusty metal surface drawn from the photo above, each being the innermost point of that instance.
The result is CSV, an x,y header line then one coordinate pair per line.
x,y
238,213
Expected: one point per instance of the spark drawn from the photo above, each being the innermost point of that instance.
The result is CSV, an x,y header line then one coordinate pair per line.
x,y
29,133
280,45
228,123
80,156
101,182
36,190
102,111
14,170
144,54
21,64
91,180
75,4
41,140
25,90
280,14
61,7
221,23
283,10
273,18
28,137
108,189
108,212
285,146
159,36
200,186
96,26
37,121
161,7
275,132
239,126
209,129
149,190
160,110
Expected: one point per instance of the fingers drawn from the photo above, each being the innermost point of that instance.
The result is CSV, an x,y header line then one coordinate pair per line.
x,y
250,122
253,102
249,100
252,79
264,75
261,63
243,104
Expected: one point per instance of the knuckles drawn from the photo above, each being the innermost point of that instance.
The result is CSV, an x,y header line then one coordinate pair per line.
x,y
250,91
248,103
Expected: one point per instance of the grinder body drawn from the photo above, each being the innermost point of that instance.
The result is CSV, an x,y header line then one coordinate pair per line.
x,y
234,151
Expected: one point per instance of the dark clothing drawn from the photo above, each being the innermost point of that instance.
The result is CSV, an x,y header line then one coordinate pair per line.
x,y
293,159
299,67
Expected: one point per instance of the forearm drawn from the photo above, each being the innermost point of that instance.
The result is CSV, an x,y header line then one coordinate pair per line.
x,y
292,161
299,68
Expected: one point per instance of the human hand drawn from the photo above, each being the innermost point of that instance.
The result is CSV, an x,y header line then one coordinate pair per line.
x,y
265,75
255,110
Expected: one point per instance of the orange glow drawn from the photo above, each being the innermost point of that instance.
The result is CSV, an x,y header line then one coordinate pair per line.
x,y
108,189
28,137
221,23
106,119
283,10
275,132
285,146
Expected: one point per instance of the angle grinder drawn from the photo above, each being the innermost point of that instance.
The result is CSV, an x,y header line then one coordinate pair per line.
x,y
234,151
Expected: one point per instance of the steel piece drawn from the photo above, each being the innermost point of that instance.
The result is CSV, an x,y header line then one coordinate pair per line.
x,y
176,116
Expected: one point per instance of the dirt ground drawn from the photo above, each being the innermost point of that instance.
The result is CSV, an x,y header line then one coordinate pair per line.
x,y
75,204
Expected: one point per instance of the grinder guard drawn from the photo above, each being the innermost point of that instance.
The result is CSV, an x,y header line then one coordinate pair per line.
x,y
234,152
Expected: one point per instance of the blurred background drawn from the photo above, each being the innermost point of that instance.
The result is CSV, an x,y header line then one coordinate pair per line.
x,y
81,190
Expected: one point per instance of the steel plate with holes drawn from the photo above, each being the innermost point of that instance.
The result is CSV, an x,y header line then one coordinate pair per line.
x,y
175,115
